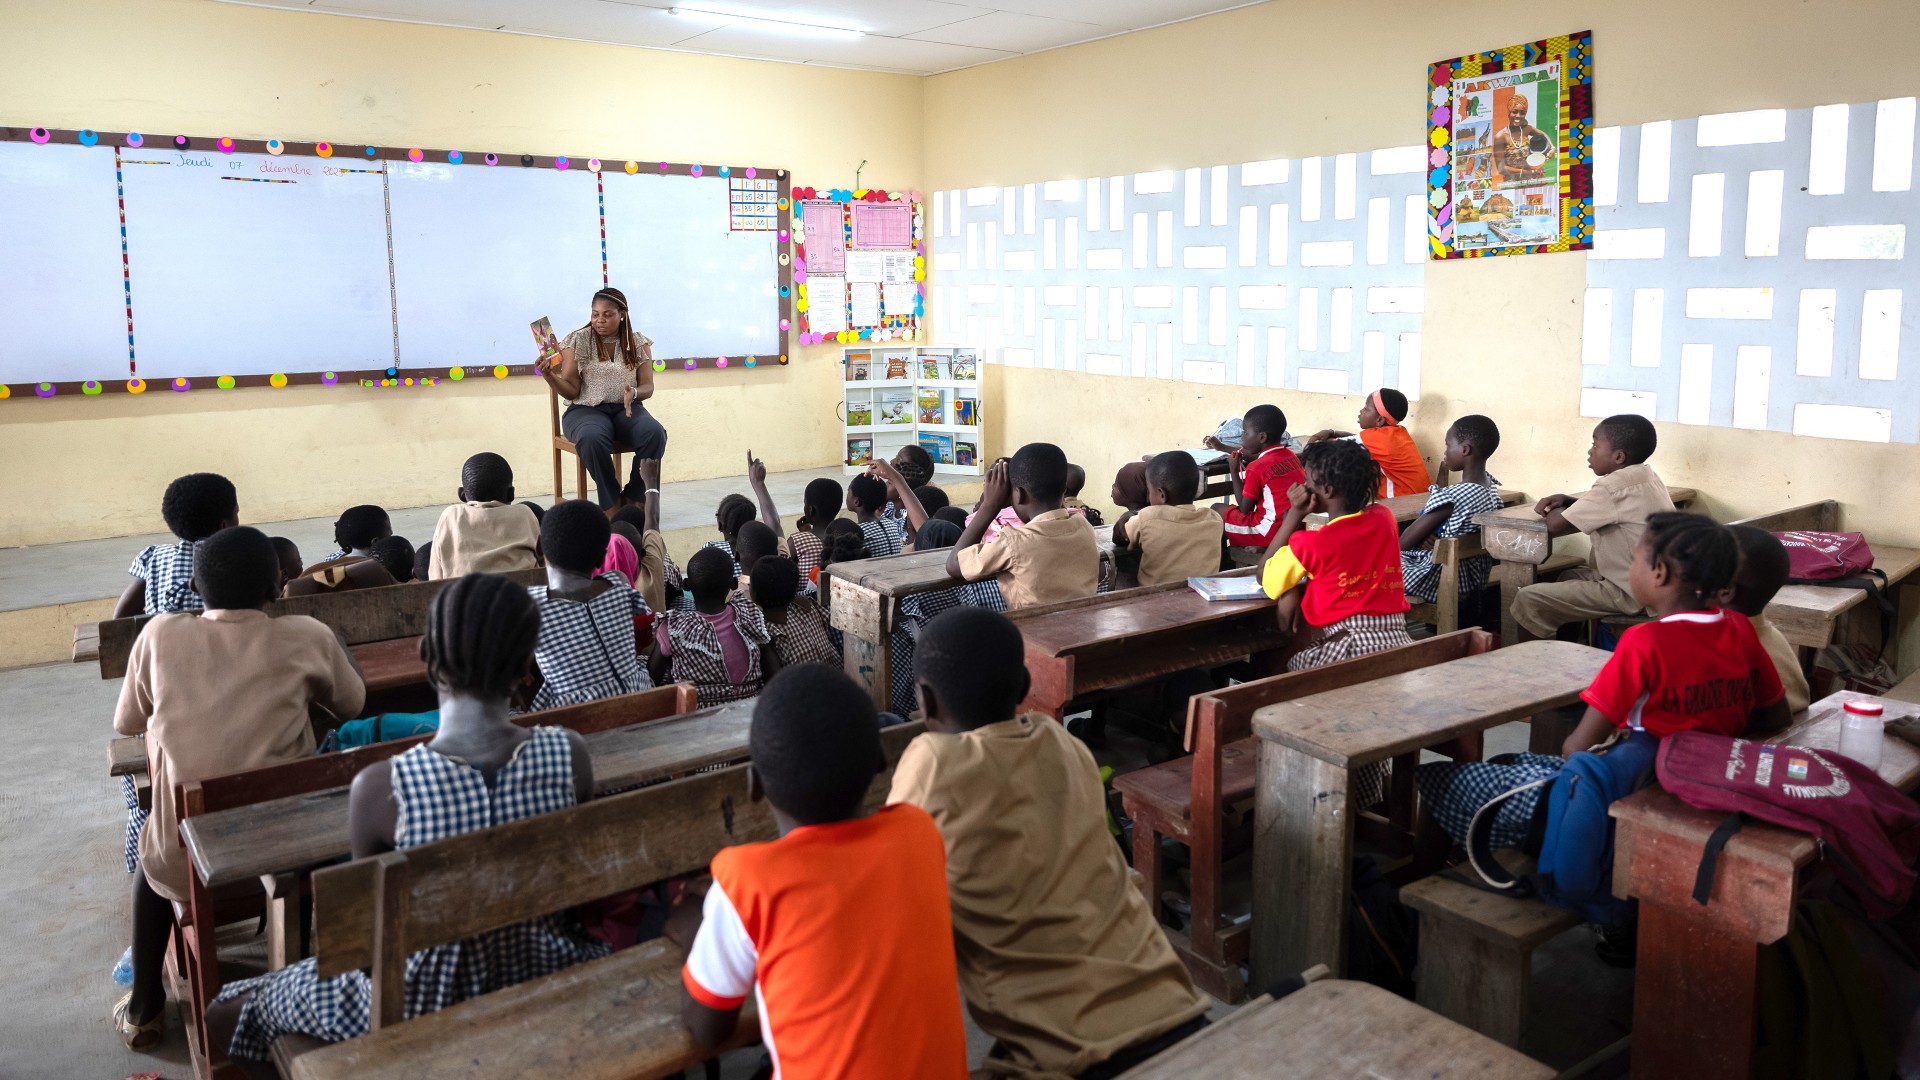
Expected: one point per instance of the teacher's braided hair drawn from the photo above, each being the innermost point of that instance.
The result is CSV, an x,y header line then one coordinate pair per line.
x,y
1704,553
626,343
480,634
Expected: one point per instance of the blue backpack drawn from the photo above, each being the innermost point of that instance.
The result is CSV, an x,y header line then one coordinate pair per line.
x,y
1571,836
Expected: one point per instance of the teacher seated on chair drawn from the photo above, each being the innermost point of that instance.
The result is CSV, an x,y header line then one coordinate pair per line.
x,y
605,373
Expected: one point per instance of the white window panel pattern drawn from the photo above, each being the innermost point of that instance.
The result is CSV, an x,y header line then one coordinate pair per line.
x,y
1201,277
1785,302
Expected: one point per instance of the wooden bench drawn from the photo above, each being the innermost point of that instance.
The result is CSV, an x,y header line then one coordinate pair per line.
x,y
1186,799
1907,690
1476,949
1338,1030
243,798
1448,553
1311,746
614,1017
86,642
1696,980
1806,615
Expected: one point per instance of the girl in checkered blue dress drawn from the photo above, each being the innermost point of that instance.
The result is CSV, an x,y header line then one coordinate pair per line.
x,y
480,770
796,623
918,609
723,646
586,650
1450,510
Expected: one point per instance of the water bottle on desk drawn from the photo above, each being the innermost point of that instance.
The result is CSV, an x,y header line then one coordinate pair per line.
x,y
1862,731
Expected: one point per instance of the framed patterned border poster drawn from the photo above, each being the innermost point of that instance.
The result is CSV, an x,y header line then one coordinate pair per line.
x,y
1511,150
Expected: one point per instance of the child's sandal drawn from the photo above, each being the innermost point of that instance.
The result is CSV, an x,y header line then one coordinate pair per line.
x,y
138,1036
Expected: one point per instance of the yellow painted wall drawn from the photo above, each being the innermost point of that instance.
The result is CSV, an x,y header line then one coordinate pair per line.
x,y
74,469
1292,80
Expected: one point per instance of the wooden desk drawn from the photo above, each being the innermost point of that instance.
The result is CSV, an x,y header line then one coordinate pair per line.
x,y
864,605
1303,823
1517,539
396,676
1121,638
1696,980
306,831
1806,614
1408,508
1335,1030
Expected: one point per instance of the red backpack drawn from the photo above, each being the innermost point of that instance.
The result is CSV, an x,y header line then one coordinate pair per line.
x,y
1866,826
1825,556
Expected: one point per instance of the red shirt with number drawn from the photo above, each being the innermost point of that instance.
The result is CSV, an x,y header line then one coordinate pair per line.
x,y
1268,478
1691,671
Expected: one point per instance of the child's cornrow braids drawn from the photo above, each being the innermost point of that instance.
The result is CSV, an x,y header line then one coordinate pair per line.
x,y
842,541
735,510
481,631
1702,551
1346,467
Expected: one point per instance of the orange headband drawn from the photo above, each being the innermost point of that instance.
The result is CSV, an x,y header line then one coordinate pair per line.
x,y
1380,409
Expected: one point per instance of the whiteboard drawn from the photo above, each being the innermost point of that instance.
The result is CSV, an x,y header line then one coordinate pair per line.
x,y
481,252
236,272
62,297
697,288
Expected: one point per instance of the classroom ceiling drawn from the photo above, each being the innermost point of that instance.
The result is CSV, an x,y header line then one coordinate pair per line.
x,y
914,37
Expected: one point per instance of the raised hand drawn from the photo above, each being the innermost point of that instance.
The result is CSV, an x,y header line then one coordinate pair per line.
x,y
756,470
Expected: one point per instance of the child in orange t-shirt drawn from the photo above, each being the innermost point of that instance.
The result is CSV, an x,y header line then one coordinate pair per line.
x,y
842,925
1402,470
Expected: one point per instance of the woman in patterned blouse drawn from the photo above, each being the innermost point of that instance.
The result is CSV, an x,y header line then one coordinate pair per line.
x,y
604,370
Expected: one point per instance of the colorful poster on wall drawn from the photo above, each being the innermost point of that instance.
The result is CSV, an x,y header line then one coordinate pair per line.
x,y
1511,133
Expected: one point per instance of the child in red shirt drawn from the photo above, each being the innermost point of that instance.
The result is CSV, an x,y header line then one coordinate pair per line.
x,y
1271,470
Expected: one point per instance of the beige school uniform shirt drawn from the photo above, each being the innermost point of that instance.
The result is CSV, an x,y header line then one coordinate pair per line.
x,y
1614,514
1786,661
1060,959
484,538
1175,542
1049,560
220,693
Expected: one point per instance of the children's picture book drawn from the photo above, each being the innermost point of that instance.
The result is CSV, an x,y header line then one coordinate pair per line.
x,y
859,413
544,339
963,454
966,411
932,407
896,409
859,366
937,446
931,366
896,367
859,451
966,365
1245,587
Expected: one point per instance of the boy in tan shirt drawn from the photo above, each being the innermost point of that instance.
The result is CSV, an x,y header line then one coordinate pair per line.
x,y
219,693
486,532
1052,557
1176,540
1763,569
1613,514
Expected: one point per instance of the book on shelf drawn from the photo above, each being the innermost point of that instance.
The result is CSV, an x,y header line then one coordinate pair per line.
x,y
933,367
1240,587
895,409
966,411
963,454
859,451
938,446
932,407
965,365
859,366
860,415
896,367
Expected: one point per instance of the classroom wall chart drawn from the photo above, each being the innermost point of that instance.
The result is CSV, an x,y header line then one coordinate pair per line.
x,y
1751,270
859,264
1305,274
140,261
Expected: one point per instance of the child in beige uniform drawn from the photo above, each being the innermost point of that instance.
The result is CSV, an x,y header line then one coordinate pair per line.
x,y
219,693
1613,514
486,532
1763,569
1060,959
1176,539
1052,557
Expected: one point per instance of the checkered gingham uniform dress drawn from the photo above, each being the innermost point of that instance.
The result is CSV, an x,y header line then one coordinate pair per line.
x,y
168,571
805,547
1456,790
1463,501
585,650
883,537
728,548
438,797
916,611
697,658
802,639
1351,637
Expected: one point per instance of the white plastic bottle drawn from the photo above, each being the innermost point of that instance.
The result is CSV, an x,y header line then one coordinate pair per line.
x,y
1862,732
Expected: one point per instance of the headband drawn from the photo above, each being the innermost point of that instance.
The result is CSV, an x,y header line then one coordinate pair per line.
x,y
612,297
1380,409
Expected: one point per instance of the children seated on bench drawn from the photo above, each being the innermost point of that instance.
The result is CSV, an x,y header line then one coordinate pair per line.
x,y
486,532
841,925
722,646
819,506
353,564
1613,514
479,770
586,650
1264,470
1763,570
1060,959
1052,557
796,623
1173,538
217,693
734,511
916,610
1450,511
195,507
866,498
1402,470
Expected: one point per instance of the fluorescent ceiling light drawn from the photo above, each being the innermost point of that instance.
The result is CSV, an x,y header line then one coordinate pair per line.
x,y
764,22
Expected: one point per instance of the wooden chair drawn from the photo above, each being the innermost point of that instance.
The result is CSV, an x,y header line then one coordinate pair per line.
x,y
1187,798
1448,553
564,445
613,1017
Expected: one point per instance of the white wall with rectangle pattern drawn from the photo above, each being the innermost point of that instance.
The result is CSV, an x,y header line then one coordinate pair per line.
x,y
1304,274
1751,270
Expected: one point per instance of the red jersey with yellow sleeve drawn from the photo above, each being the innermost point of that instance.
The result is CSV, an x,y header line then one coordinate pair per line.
x,y
843,933
1690,671
1351,567
1268,479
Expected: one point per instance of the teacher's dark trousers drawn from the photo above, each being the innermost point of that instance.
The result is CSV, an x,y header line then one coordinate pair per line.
x,y
593,429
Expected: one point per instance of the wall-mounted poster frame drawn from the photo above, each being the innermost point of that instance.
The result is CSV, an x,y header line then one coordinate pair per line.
x,y
859,266
1511,150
